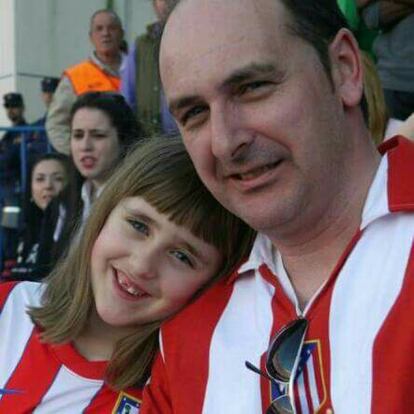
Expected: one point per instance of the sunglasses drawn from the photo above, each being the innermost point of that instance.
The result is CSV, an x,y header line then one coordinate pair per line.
x,y
282,362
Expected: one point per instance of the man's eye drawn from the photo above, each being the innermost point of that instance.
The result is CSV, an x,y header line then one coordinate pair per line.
x,y
192,114
252,86
139,226
183,257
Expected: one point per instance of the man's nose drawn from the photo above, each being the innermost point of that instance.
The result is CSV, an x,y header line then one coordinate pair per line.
x,y
229,137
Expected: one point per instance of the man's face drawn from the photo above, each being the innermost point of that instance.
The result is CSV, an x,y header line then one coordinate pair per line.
x,y
14,113
257,112
161,8
47,98
106,34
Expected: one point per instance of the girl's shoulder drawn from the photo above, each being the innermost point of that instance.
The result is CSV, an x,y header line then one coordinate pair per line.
x,y
20,294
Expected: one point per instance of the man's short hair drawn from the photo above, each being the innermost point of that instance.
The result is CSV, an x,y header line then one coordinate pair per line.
x,y
108,11
316,22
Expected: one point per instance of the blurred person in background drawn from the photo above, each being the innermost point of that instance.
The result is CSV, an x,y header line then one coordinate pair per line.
x,y
140,81
10,165
100,72
394,50
39,143
380,124
48,177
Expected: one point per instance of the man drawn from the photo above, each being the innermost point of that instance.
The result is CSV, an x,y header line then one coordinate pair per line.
x,y
140,82
267,98
10,144
101,72
10,166
394,48
39,140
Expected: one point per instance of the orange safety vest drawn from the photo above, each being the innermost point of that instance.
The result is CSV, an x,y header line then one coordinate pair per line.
x,y
87,77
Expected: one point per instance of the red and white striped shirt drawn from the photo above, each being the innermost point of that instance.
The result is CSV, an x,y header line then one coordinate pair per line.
x,y
40,378
357,354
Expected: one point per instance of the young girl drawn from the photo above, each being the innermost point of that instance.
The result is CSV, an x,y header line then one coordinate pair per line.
x,y
48,177
84,340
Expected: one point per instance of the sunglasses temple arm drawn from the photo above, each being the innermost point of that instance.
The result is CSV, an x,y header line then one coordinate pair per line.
x,y
253,368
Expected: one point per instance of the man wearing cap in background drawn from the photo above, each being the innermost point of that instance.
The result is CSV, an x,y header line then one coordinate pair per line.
x,y
10,156
100,72
39,140
10,143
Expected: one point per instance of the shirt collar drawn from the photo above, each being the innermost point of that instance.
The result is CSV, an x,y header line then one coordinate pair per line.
x,y
106,68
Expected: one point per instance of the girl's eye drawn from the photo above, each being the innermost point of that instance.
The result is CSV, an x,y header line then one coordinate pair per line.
x,y
139,226
183,257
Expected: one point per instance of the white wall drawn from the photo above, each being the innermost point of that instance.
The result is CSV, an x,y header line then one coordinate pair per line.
x,y
7,54
42,37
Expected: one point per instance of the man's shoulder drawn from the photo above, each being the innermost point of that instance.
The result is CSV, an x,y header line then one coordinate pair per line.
x,y
400,154
79,66
202,313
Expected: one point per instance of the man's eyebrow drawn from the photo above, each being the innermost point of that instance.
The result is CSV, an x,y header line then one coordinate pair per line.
x,y
248,72
238,76
177,104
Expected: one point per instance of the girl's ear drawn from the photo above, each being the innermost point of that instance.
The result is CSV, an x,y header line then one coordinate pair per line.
x,y
347,70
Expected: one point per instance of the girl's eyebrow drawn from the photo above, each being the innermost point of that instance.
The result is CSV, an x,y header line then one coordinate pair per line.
x,y
141,216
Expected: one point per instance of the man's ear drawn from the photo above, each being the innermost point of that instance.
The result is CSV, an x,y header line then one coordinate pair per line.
x,y
346,68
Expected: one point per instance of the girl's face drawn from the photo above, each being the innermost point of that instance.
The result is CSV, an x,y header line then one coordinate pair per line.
x,y
48,180
144,267
94,144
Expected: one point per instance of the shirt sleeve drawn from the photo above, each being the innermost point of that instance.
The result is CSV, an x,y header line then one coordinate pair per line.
x,y
58,116
128,81
156,398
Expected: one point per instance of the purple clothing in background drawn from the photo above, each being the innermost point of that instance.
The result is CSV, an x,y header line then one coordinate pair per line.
x,y
128,88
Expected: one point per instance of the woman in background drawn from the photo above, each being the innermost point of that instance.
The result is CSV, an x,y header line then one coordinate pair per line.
x,y
48,178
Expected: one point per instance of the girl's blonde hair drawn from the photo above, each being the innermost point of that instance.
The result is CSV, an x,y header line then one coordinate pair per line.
x,y
377,110
160,171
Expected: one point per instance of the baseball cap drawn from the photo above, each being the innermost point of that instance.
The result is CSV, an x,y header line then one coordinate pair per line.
x,y
13,100
49,84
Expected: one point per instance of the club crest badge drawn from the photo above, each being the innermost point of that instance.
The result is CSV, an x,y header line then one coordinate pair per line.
x,y
126,404
310,386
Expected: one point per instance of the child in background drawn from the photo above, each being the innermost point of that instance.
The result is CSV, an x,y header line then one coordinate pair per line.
x,y
84,340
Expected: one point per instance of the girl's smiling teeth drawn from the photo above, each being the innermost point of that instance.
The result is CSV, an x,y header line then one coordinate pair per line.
x,y
129,287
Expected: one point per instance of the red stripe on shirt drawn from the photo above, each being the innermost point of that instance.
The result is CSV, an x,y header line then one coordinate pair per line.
x,y
5,290
188,390
393,353
36,362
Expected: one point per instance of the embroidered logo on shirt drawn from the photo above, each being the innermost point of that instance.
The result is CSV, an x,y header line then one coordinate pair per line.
x,y
4,391
126,404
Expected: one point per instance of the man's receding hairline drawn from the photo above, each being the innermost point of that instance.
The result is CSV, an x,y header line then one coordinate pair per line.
x,y
107,11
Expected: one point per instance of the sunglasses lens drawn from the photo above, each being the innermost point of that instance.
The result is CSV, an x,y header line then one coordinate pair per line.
x,y
280,405
285,349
